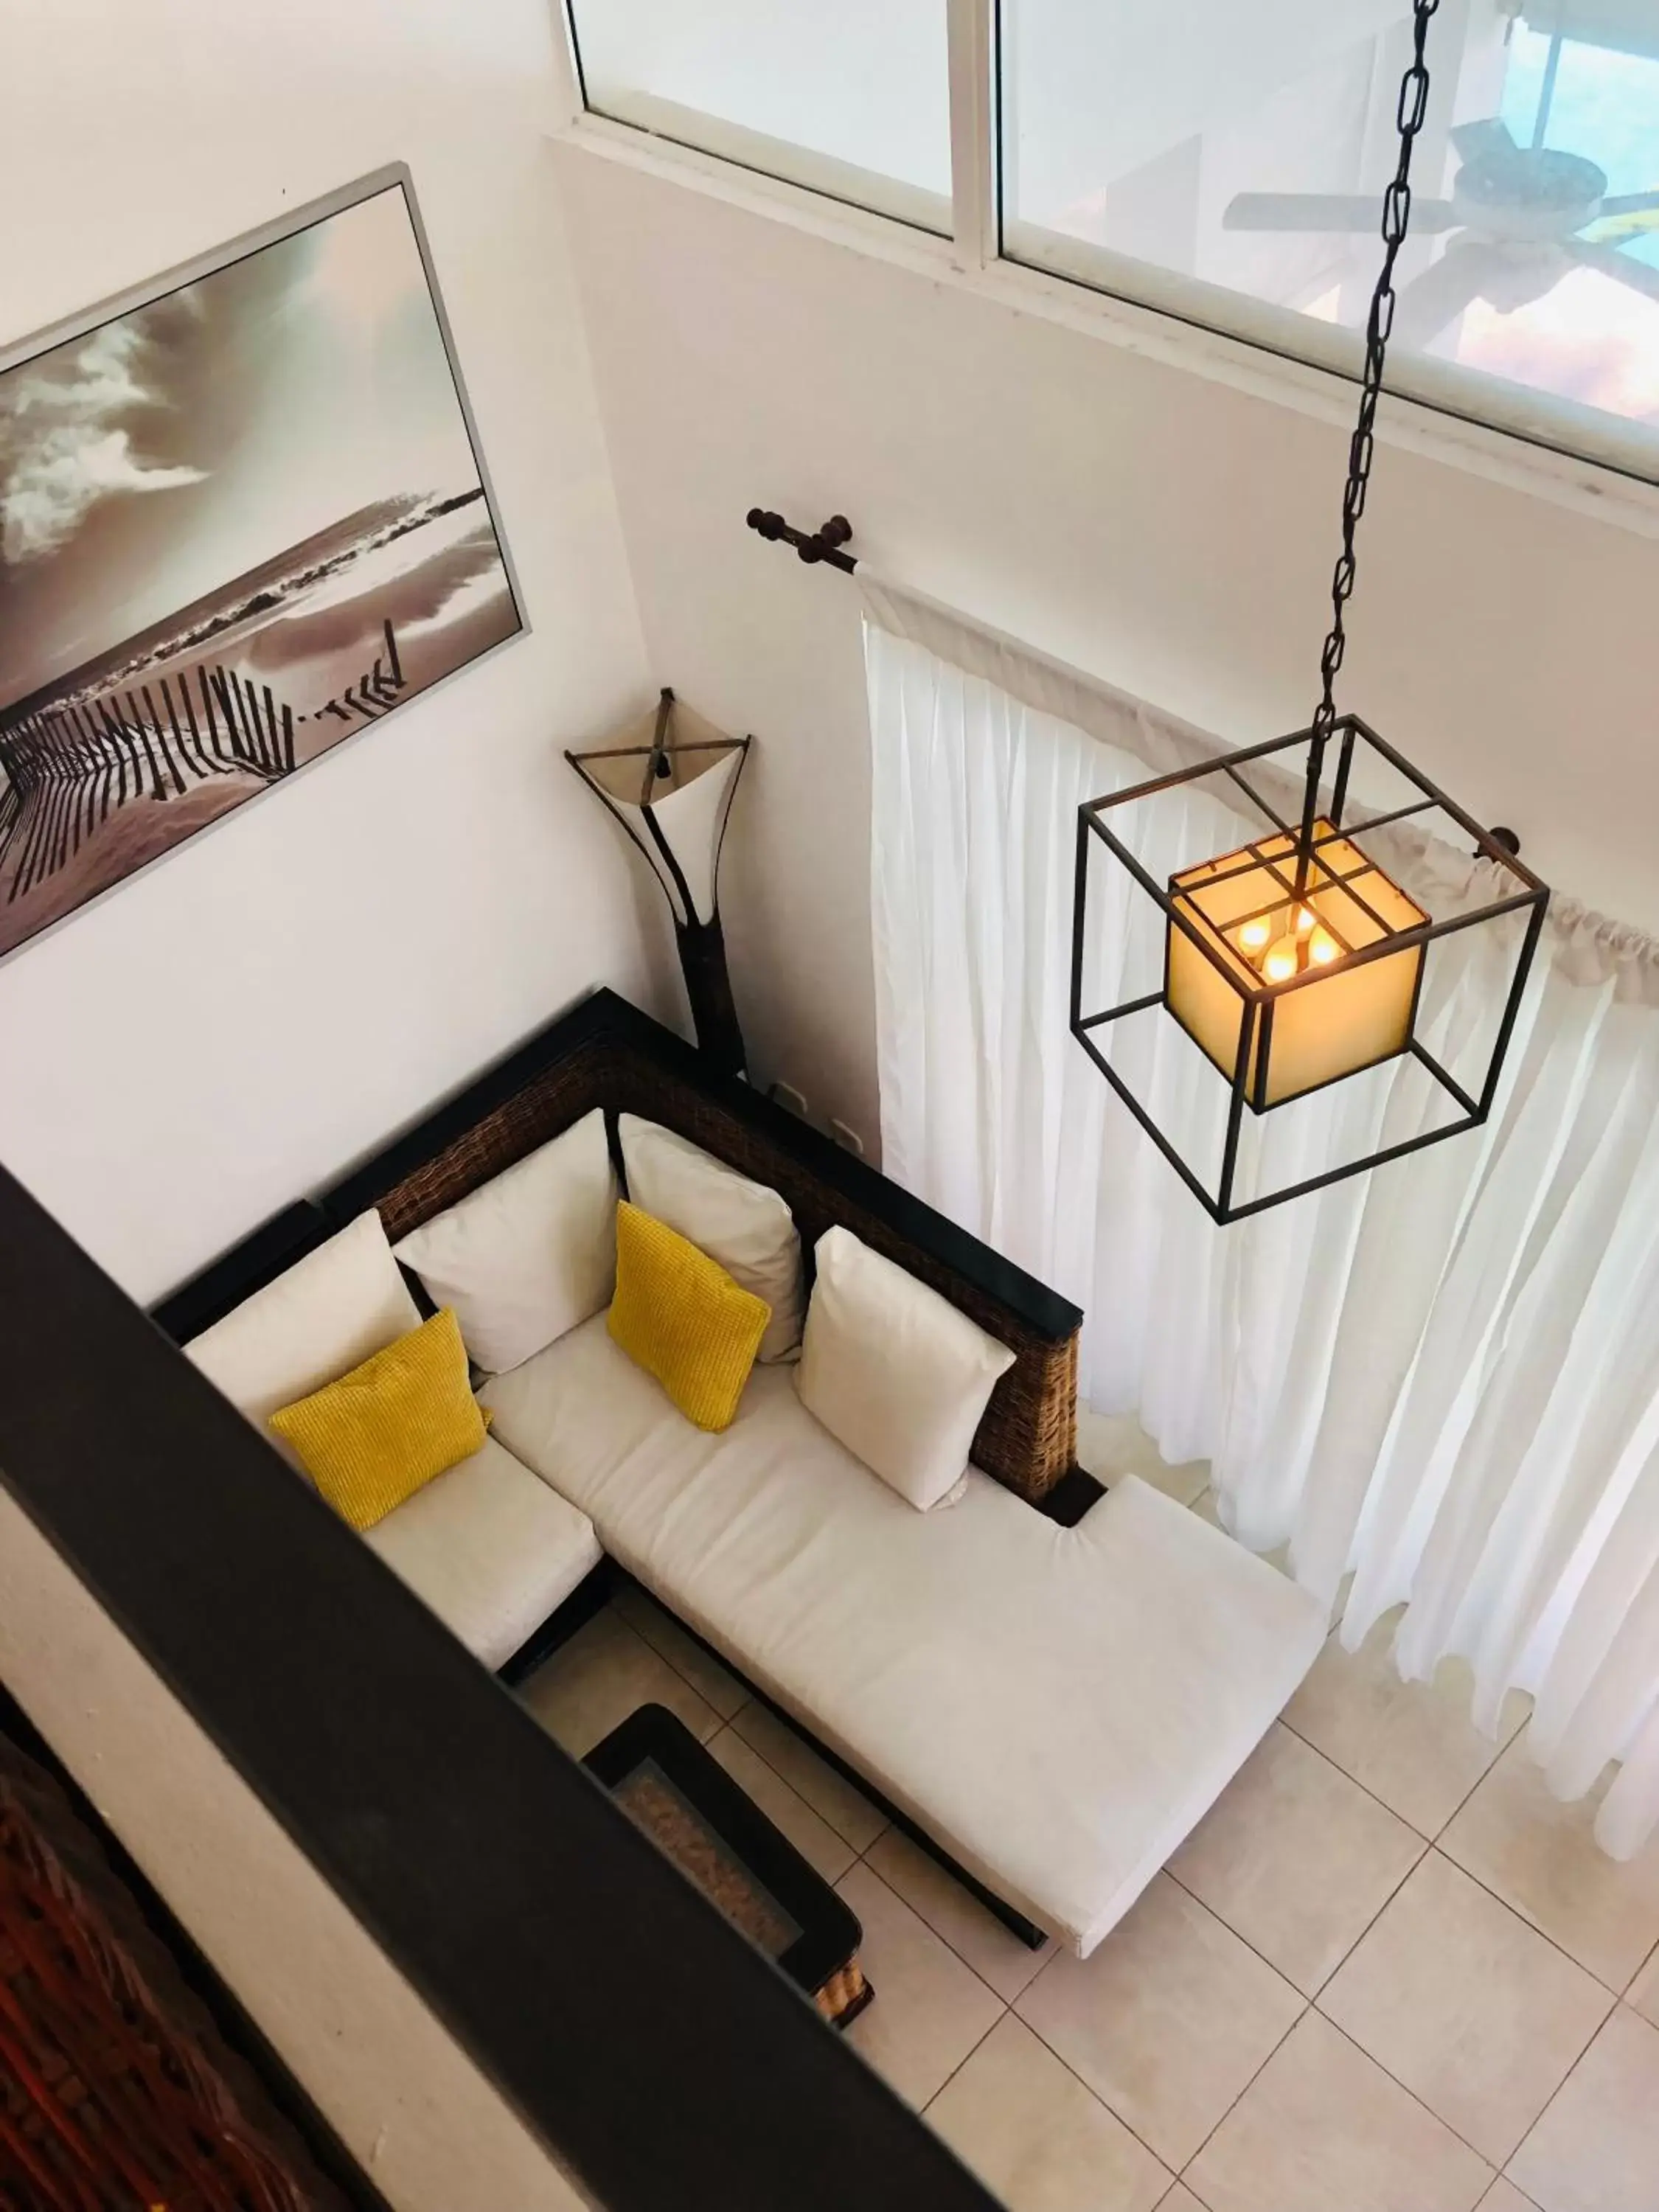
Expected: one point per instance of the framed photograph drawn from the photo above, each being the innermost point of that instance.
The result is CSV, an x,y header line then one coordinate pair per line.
x,y
243,514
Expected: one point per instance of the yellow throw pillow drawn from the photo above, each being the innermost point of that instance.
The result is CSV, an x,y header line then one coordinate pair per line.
x,y
378,1435
680,1316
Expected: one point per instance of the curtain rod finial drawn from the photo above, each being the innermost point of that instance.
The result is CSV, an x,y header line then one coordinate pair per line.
x,y
824,544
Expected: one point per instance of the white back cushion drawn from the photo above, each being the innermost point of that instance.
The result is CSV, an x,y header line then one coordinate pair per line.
x,y
743,1225
530,1254
893,1371
324,1316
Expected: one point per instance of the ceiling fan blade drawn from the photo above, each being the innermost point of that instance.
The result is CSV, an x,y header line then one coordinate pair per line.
x,y
1629,204
1489,136
1445,288
1623,268
1316,211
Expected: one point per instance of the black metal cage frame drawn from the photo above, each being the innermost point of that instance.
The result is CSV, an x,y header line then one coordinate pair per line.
x,y
1257,1002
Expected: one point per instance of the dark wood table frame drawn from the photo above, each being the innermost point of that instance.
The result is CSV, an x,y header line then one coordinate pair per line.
x,y
822,1958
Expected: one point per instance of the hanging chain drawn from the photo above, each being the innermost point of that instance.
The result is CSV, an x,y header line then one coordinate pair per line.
x,y
1396,215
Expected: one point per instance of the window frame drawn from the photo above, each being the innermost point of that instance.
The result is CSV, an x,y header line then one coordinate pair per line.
x,y
1270,352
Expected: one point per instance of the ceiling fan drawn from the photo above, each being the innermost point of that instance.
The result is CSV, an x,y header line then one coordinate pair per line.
x,y
1517,215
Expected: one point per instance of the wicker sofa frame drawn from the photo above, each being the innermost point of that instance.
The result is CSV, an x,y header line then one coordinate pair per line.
x,y
606,1053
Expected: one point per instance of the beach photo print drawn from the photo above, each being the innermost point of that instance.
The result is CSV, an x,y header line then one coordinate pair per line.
x,y
239,522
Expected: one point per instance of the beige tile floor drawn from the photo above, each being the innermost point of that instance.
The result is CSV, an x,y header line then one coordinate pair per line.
x,y
1388,1973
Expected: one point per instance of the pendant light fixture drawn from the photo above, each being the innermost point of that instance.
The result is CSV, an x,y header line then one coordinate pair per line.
x,y
1296,959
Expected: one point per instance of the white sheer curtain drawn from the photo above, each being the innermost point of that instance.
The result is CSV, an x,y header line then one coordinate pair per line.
x,y
1444,1375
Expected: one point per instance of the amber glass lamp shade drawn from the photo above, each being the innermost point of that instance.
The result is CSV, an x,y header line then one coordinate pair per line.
x,y
1253,968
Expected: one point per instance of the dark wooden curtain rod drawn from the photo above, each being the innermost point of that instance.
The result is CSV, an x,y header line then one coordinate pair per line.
x,y
823,544
827,541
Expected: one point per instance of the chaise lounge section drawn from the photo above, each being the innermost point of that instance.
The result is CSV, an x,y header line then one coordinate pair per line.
x,y
1054,1707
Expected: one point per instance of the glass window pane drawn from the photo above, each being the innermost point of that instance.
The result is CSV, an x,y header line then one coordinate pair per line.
x,y
1227,163
852,99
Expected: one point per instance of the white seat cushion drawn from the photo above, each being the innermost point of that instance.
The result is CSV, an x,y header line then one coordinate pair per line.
x,y
1057,1707
490,1548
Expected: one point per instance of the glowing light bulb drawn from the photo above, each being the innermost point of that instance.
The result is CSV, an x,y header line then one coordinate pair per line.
x,y
1281,963
1323,949
1305,918
1254,935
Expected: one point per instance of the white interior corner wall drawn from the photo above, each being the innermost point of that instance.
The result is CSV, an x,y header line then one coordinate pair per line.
x,y
1169,532
415,2112
223,1031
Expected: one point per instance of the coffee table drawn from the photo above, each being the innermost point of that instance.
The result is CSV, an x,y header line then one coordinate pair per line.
x,y
695,1813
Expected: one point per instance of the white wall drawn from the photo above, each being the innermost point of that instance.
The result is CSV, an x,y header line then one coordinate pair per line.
x,y
227,1030
407,2102
1171,533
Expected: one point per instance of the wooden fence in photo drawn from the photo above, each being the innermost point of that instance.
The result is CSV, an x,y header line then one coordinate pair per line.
x,y
67,767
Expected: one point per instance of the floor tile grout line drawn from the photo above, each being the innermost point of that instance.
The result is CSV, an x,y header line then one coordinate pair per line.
x,y
1205,1906
1526,1921
1503,1747
1531,2203
1312,2004
1364,1787
1407,2091
1306,2007
876,1875
674,1666
778,1774
1394,1809
1306,2003
1422,1854
1307,1996
1416,1833
921,2111
1348,2036
1122,2119
1434,1843
863,1859
1594,2038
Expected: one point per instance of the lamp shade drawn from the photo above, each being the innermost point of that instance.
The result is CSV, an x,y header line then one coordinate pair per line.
x,y
1238,929
670,782
671,790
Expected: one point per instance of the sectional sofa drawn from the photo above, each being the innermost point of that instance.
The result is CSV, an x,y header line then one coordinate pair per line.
x,y
1047,1685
